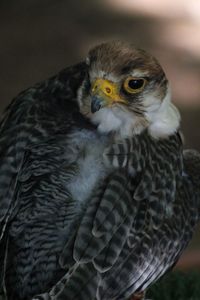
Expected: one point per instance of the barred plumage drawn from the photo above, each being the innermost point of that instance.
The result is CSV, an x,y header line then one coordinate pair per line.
x,y
94,209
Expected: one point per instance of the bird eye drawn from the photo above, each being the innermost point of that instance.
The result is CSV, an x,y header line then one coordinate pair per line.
x,y
134,85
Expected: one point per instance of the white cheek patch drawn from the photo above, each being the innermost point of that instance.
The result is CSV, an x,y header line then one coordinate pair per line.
x,y
165,119
161,117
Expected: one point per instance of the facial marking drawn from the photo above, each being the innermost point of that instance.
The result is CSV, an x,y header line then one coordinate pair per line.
x,y
112,65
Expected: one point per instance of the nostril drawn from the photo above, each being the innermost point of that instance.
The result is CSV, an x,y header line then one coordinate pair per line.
x,y
94,88
108,90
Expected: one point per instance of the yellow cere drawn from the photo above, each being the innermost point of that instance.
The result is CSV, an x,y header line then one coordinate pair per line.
x,y
107,89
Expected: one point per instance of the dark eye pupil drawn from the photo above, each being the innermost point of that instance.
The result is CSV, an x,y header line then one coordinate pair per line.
x,y
135,83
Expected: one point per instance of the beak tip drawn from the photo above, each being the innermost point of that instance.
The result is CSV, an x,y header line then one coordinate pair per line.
x,y
96,104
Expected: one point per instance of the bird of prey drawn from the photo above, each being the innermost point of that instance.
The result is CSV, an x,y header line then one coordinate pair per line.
x,y
97,198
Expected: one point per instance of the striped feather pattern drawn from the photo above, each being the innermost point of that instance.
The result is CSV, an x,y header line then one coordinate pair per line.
x,y
135,221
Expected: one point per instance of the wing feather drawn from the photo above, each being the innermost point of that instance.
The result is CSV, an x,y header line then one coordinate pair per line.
x,y
102,218
133,249
13,140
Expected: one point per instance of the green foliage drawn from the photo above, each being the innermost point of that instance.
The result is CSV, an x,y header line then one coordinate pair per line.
x,y
177,286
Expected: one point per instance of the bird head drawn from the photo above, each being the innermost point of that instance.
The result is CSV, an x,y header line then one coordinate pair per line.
x,y
126,91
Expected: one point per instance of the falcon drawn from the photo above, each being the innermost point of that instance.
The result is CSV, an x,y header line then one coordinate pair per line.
x,y
97,197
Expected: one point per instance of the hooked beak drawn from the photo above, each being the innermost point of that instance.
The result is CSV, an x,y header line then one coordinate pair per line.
x,y
96,104
104,93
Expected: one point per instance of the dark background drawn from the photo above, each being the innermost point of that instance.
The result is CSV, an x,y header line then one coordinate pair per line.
x,y
40,37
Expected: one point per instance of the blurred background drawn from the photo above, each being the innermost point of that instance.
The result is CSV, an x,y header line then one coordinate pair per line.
x,y
39,38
